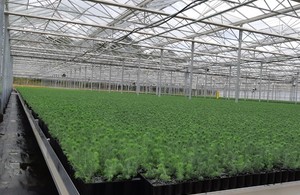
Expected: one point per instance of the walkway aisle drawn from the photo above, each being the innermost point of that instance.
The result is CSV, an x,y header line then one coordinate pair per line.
x,y
22,167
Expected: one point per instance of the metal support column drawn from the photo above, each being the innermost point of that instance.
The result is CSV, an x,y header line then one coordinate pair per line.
x,y
160,71
2,36
146,82
80,80
157,84
138,85
260,80
191,70
92,75
70,79
171,84
165,85
129,83
85,76
122,77
238,68
5,60
196,94
292,92
269,83
211,86
175,87
74,79
186,76
229,82
273,91
100,72
109,82
296,88
246,87
205,83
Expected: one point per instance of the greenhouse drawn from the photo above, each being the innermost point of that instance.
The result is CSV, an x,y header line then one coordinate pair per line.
x,y
149,97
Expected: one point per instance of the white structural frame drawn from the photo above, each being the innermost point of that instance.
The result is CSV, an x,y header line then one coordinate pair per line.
x,y
172,39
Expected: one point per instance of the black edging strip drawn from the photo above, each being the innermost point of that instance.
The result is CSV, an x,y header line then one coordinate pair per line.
x,y
60,177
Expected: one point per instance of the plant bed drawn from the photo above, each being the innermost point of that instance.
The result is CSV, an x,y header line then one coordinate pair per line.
x,y
116,135
133,186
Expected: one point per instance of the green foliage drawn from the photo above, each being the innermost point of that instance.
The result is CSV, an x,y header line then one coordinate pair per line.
x,y
115,136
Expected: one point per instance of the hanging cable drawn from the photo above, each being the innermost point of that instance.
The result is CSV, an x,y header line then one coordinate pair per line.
x,y
162,21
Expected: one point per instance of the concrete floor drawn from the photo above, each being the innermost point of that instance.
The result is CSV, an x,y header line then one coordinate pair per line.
x,y
22,167
288,188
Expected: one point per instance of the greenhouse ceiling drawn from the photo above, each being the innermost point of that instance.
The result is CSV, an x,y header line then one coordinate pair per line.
x,y
51,37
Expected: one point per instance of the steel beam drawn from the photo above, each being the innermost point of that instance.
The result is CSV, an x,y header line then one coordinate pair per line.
x,y
191,19
141,45
153,34
238,23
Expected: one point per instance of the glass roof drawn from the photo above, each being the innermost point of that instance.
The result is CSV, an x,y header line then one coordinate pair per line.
x,y
52,36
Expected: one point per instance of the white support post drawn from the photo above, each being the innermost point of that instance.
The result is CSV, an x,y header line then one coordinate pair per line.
x,y
296,88
160,71
191,70
147,83
55,81
165,85
109,82
74,79
157,84
238,71
229,83
85,76
269,83
92,75
80,79
129,82
273,91
100,72
246,87
138,85
175,86
2,36
197,86
70,79
214,88
260,80
291,92
122,77
171,84
186,75
211,86
205,83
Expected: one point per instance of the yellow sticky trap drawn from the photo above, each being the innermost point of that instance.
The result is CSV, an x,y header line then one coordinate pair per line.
x,y
217,94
